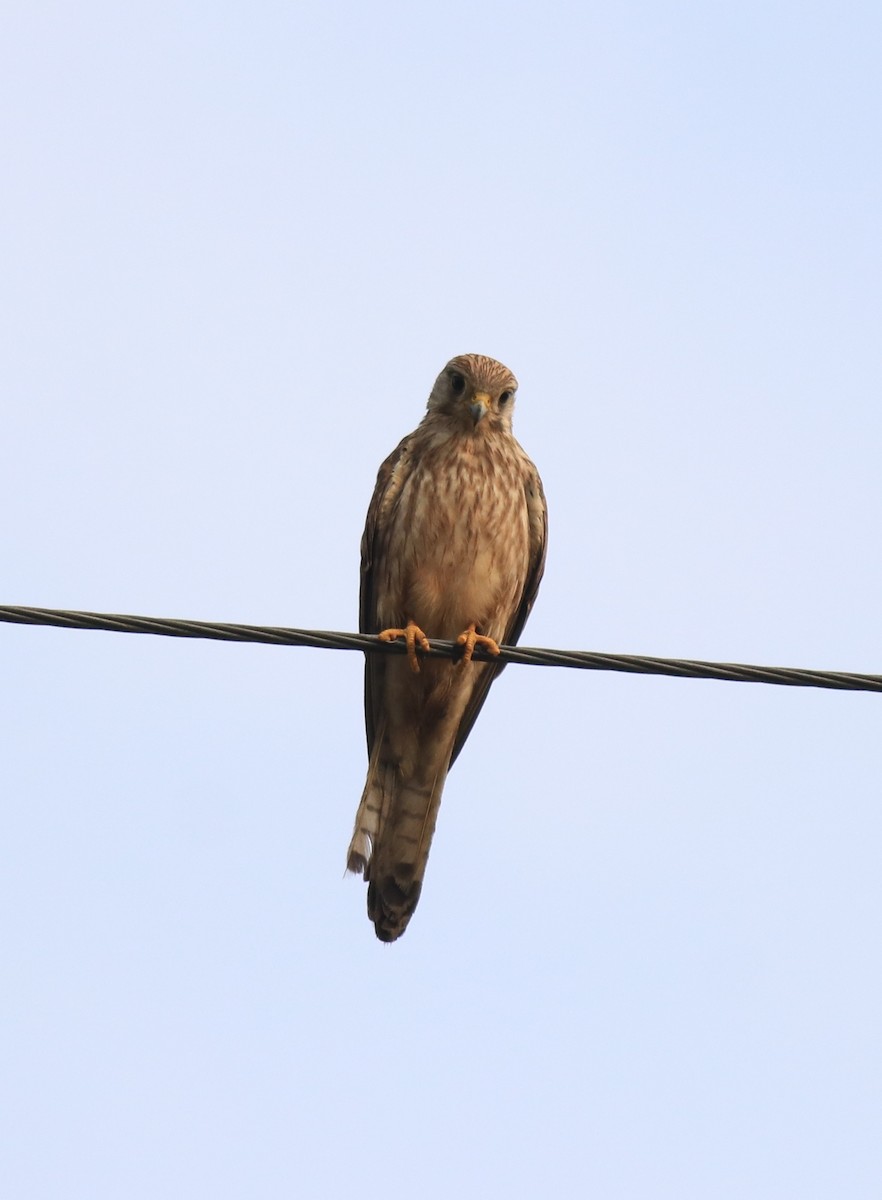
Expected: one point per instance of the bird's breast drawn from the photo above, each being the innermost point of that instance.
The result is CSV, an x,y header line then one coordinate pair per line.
x,y
462,526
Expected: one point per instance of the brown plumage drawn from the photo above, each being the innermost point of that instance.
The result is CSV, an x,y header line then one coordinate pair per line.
x,y
455,545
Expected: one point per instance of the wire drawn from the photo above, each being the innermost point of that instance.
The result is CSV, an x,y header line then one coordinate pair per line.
x,y
527,656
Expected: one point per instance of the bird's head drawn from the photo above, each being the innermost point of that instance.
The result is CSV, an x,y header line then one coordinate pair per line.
x,y
477,392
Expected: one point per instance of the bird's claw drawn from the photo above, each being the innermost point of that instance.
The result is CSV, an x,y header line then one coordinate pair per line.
x,y
413,637
469,639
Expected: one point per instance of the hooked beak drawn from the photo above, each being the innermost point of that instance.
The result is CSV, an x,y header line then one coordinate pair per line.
x,y
479,406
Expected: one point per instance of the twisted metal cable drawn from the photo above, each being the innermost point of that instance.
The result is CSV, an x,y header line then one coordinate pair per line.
x,y
527,656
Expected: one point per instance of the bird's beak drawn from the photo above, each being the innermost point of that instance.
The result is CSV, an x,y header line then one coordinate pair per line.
x,y
479,406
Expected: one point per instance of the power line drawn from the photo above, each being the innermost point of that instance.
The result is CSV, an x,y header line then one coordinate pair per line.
x,y
526,656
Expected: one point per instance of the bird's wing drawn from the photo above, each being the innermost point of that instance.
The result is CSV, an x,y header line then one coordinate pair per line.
x,y
538,518
374,543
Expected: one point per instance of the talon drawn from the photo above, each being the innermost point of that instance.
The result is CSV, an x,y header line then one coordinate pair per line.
x,y
469,639
413,637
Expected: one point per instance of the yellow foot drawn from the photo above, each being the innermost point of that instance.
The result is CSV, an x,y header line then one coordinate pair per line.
x,y
413,637
470,639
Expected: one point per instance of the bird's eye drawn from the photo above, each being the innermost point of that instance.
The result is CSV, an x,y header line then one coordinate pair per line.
x,y
457,382
505,396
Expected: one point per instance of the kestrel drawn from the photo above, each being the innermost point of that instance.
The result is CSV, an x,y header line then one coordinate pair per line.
x,y
453,548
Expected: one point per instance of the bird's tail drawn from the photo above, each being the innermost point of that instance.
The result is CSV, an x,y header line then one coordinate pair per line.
x,y
390,843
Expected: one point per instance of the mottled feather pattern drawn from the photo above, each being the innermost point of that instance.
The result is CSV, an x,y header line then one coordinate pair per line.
x,y
454,539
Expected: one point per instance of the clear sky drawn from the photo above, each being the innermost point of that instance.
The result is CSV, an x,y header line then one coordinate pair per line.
x,y
238,244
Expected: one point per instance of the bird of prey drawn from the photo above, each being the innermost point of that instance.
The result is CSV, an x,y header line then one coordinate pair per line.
x,y
453,548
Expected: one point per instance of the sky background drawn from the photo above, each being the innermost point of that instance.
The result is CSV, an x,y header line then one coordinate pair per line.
x,y
238,244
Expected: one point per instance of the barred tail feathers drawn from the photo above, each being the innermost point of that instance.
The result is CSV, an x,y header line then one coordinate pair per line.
x,y
390,843
373,809
395,874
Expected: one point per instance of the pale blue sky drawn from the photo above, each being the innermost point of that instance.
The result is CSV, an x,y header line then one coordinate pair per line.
x,y
238,244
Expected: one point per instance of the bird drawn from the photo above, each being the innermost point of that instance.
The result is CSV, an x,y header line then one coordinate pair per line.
x,y
453,548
